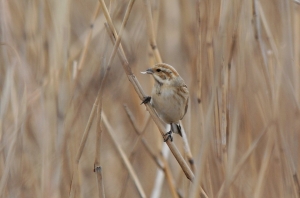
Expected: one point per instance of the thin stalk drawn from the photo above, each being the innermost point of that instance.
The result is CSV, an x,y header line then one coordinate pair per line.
x,y
124,157
140,92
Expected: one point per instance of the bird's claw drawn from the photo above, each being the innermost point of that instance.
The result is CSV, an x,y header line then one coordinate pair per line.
x,y
146,100
169,136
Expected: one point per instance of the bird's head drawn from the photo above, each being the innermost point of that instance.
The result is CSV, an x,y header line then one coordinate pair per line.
x,y
163,73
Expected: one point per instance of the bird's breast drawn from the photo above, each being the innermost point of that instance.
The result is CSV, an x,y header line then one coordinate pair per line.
x,y
168,104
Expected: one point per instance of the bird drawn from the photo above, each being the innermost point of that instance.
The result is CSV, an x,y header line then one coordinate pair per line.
x,y
169,97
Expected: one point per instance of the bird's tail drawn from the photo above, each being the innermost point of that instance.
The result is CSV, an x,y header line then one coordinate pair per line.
x,y
176,128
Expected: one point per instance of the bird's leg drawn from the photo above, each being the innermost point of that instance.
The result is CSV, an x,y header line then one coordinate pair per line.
x,y
146,100
169,136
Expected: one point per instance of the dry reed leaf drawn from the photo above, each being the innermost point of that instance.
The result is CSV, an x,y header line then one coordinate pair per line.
x,y
240,60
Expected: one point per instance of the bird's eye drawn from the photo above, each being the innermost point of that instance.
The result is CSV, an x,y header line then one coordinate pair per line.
x,y
158,70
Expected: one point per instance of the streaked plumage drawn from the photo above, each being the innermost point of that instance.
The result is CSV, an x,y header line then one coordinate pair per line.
x,y
169,96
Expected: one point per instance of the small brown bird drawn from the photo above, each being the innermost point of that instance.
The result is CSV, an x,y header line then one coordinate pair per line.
x,y
169,96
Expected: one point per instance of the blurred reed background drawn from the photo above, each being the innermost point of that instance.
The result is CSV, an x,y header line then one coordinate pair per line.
x,y
240,60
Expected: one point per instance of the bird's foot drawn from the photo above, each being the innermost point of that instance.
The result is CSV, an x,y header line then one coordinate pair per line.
x,y
169,136
146,100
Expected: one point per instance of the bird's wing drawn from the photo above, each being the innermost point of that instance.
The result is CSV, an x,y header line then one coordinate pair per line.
x,y
184,87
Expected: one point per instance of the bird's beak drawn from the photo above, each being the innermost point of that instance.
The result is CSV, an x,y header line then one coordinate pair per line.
x,y
148,71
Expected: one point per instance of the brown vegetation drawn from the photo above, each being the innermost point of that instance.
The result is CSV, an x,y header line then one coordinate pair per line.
x,y
71,123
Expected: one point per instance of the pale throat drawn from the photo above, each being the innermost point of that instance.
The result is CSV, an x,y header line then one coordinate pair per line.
x,y
158,86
